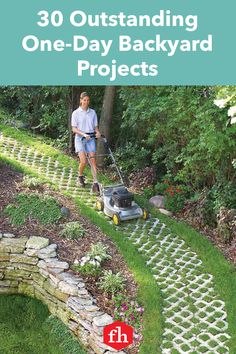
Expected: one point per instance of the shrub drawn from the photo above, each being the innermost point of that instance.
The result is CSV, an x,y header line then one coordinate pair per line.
x,y
45,209
72,230
175,196
131,157
111,283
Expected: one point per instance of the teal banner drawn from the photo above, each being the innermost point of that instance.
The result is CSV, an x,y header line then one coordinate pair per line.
x,y
175,42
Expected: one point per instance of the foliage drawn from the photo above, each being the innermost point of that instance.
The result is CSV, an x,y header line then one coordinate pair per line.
x,y
175,195
128,311
40,107
45,209
31,182
87,269
99,250
131,157
91,263
182,129
72,230
112,283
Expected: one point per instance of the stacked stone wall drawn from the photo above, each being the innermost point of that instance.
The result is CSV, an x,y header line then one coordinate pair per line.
x,y
29,266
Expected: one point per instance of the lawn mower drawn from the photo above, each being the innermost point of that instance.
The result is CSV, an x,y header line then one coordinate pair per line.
x,y
116,201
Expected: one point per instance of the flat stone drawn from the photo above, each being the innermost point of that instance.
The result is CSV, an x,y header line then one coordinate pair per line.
x,y
17,274
8,235
30,252
69,278
14,245
78,304
68,288
47,252
55,279
37,243
0,235
157,201
91,308
8,291
9,283
55,271
83,292
55,263
4,257
165,212
29,267
42,264
103,320
21,258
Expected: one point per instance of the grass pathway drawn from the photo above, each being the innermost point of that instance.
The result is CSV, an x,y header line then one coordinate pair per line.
x,y
194,314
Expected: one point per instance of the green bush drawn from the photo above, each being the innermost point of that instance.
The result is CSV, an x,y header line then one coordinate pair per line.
x,y
111,283
131,157
174,195
43,208
72,230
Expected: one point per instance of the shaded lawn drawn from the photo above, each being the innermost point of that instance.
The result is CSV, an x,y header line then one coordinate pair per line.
x,y
26,327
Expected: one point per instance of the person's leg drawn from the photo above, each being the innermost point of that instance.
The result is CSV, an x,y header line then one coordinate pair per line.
x,y
92,160
91,149
83,162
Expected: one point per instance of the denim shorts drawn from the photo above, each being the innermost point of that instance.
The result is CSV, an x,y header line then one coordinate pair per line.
x,y
85,145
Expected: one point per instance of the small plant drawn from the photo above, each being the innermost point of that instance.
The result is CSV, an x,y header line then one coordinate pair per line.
x,y
72,230
99,250
31,182
111,283
45,209
91,263
87,269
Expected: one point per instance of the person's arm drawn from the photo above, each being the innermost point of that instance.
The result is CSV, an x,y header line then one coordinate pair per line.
x,y
77,131
97,132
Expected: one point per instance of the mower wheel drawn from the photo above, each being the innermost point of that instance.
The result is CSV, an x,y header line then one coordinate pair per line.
x,y
145,214
116,219
99,205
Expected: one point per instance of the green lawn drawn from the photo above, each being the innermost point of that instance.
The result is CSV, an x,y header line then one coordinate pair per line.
x,y
26,327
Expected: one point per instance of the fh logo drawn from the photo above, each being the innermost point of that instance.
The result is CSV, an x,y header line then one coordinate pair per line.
x,y
118,335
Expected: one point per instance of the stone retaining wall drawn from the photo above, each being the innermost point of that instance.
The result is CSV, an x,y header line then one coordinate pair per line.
x,y
29,265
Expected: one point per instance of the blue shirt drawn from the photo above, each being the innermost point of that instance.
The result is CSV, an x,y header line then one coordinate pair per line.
x,y
86,121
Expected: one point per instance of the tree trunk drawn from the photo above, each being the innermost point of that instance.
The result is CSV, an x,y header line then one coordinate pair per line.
x,y
73,103
105,120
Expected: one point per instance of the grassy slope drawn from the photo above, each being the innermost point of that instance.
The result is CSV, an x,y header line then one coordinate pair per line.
x,y
26,328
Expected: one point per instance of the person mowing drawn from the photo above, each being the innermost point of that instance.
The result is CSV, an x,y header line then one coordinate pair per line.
x,y
84,123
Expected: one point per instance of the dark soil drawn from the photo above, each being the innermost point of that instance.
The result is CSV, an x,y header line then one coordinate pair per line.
x,y
68,250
